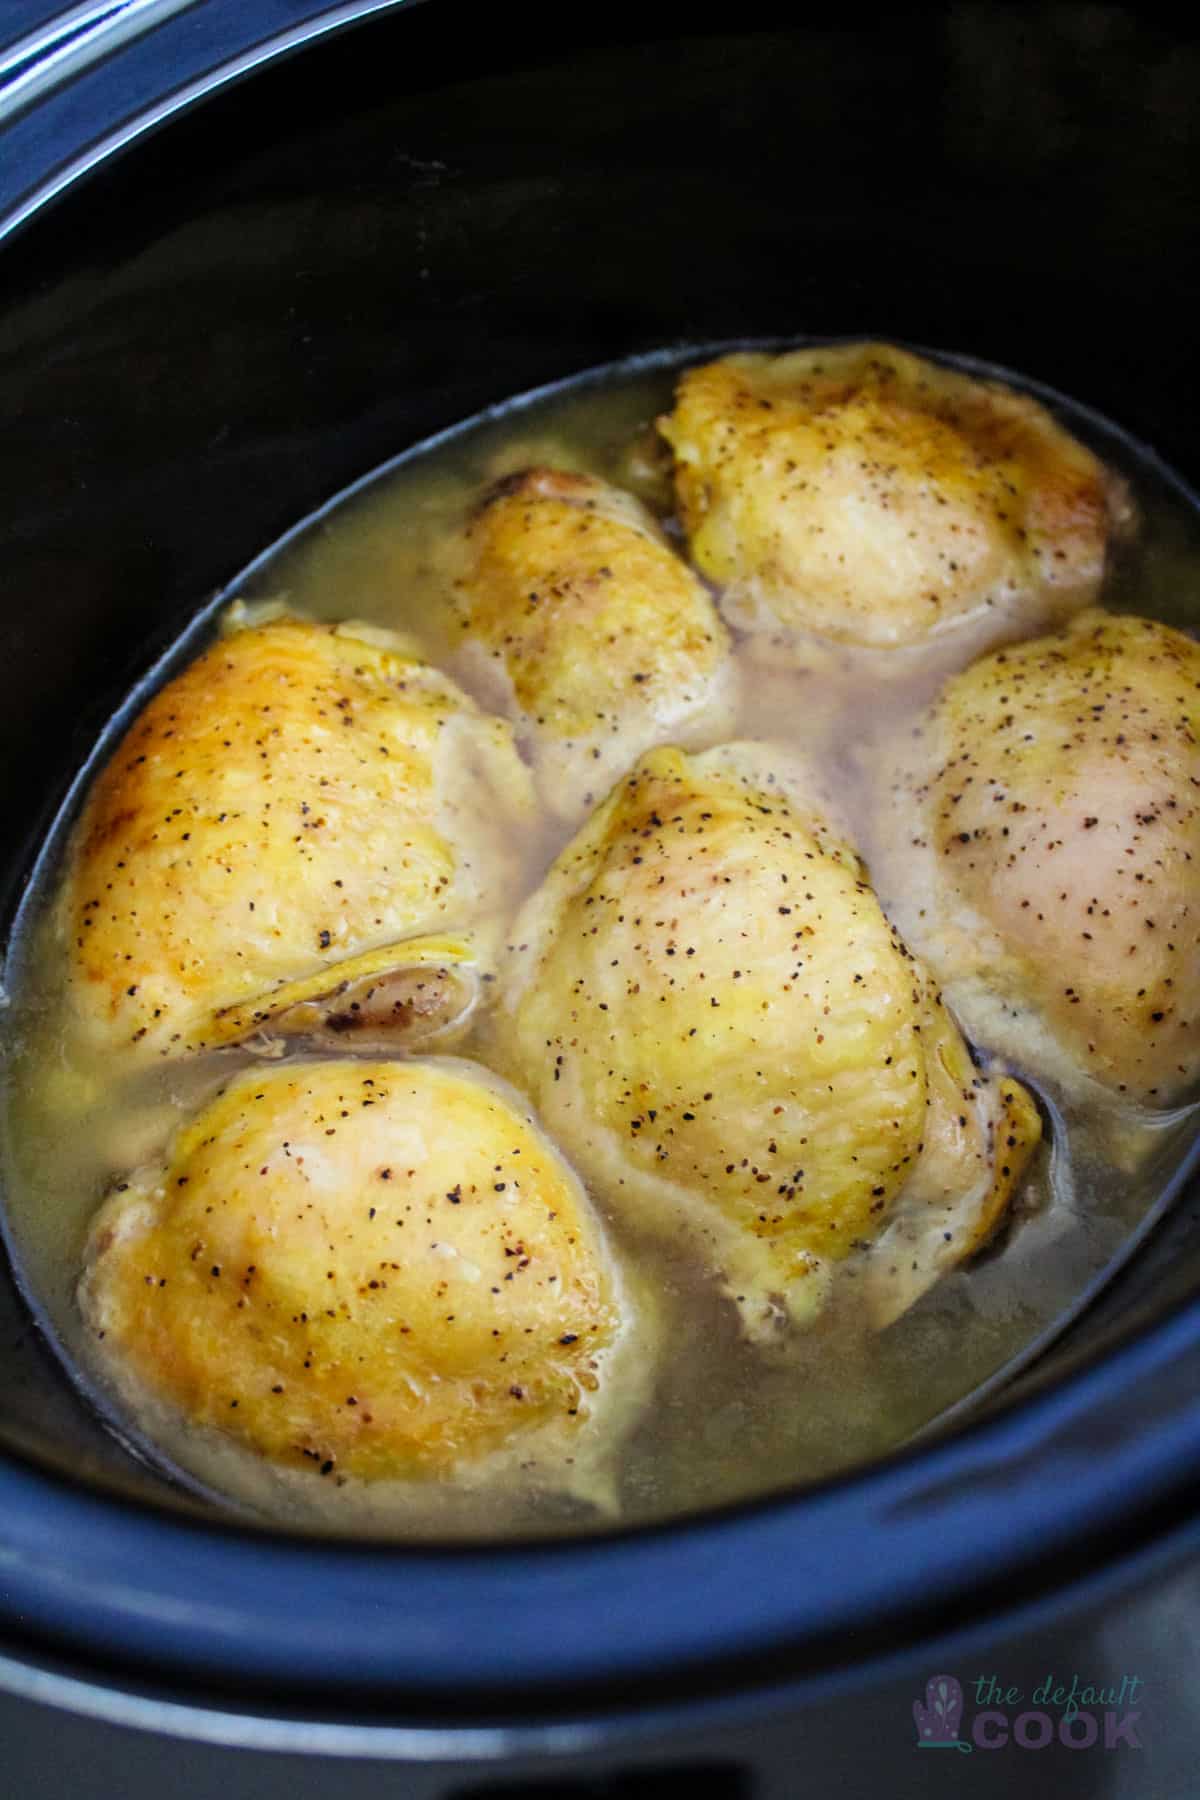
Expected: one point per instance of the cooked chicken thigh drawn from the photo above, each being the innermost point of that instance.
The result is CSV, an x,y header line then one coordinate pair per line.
x,y
1040,845
721,1028
859,495
371,1269
306,826
583,624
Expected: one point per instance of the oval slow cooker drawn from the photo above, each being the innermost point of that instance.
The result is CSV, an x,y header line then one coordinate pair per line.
x,y
231,281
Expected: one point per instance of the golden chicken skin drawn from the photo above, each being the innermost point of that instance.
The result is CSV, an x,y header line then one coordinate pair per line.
x,y
301,832
859,495
1040,844
366,1269
583,625
718,1024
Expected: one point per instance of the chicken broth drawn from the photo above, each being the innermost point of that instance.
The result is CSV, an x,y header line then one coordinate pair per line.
x,y
701,1414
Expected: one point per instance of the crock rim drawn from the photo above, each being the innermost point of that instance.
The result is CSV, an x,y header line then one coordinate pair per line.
x,y
201,1601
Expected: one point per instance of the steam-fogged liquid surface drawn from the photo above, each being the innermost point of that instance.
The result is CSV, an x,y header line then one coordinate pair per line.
x,y
723,1423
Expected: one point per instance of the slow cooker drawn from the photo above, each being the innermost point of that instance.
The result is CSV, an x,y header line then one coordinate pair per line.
x,y
249,250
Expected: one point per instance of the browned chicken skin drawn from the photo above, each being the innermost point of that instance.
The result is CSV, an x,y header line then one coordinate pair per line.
x,y
303,825
1039,839
365,1268
582,623
720,1026
858,495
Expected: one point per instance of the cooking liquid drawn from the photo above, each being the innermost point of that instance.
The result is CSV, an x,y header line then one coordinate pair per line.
x,y
722,1423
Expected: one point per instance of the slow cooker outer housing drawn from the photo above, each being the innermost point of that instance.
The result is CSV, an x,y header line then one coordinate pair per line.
x,y
209,334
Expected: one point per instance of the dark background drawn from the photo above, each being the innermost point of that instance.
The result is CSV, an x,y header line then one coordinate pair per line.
x,y
436,210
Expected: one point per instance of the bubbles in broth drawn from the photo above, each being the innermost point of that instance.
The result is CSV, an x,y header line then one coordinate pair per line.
x,y
719,1422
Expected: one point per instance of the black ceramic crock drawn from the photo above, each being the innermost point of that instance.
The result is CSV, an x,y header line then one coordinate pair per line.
x,y
231,281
